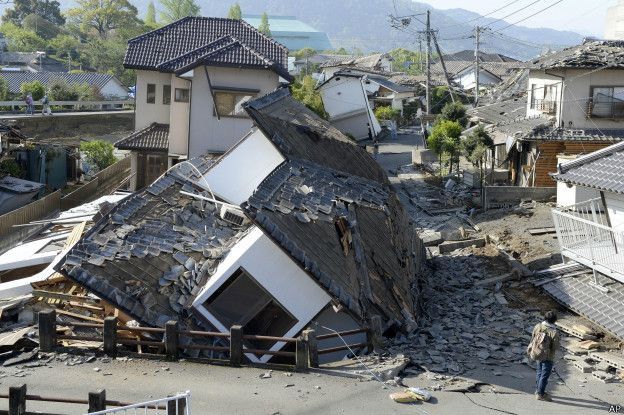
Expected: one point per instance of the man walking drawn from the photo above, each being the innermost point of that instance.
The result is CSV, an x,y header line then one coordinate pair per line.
x,y
542,349
45,101
30,107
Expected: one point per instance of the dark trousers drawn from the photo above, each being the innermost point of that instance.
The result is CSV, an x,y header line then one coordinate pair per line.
x,y
544,367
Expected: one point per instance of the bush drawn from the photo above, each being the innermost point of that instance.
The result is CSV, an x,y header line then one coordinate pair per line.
x,y
305,92
455,111
35,88
98,152
61,90
444,139
9,167
387,113
4,90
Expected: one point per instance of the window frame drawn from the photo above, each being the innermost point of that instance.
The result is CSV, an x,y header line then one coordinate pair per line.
x,y
152,99
251,93
612,102
188,95
166,99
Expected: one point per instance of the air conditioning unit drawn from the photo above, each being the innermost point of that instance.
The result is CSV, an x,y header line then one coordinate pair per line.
x,y
233,215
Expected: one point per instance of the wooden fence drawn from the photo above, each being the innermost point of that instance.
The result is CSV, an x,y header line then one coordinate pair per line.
x,y
32,211
305,355
96,401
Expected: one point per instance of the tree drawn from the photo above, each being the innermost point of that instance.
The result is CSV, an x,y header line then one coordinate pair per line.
x,y
265,27
150,16
235,12
387,113
10,167
173,10
103,17
305,92
440,96
476,146
444,139
455,111
20,39
98,152
35,88
305,54
47,9
4,89
64,46
405,60
40,26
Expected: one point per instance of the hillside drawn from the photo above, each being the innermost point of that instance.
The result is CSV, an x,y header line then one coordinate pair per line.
x,y
364,24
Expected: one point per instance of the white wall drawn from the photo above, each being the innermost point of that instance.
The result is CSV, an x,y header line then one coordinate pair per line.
x,y
113,89
209,134
239,172
467,79
179,119
541,79
146,114
277,273
567,196
615,206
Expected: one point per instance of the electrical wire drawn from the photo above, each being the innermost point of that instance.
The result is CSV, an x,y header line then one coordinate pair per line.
x,y
512,13
528,17
481,16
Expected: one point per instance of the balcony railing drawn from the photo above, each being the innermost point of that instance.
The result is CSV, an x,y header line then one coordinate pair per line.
x,y
605,108
545,106
585,236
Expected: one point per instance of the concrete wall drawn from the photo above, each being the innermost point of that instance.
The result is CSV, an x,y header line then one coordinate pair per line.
x,y
150,113
501,196
567,196
70,125
277,273
235,177
209,134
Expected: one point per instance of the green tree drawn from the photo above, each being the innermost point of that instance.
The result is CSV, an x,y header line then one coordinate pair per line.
x,y
264,27
104,55
9,167
305,92
150,16
173,10
305,54
476,146
102,17
35,88
387,113
64,46
406,60
20,39
47,9
445,139
235,12
98,152
440,96
454,111
40,26
4,89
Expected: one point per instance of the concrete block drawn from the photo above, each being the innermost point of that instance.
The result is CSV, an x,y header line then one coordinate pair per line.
x,y
423,156
450,246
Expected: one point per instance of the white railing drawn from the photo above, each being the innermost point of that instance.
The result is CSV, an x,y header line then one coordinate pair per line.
x,y
179,405
585,236
74,104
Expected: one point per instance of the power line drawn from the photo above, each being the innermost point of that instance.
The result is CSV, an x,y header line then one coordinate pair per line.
x,y
528,17
512,13
481,16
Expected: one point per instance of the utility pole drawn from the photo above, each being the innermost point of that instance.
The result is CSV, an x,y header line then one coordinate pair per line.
x,y
428,63
446,75
477,33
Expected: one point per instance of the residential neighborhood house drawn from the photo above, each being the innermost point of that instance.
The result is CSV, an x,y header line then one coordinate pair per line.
x,y
292,33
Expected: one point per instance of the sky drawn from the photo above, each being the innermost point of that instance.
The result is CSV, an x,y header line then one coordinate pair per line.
x,y
582,16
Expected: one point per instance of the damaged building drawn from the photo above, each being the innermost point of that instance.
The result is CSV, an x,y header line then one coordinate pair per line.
x,y
308,234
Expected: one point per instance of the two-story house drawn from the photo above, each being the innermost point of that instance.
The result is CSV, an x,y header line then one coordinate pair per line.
x,y
193,77
574,106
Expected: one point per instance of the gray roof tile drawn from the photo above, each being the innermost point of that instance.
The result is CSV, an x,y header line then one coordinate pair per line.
x,y
154,137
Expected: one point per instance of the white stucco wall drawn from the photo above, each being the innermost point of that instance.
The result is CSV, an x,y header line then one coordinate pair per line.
x,y
239,172
567,196
540,79
145,113
277,273
209,134
113,89
179,119
467,79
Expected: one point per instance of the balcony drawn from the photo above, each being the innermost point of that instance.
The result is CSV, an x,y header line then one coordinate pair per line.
x,y
605,108
545,105
585,236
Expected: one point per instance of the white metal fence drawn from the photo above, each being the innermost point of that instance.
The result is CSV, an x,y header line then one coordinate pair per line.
x,y
75,104
178,404
585,236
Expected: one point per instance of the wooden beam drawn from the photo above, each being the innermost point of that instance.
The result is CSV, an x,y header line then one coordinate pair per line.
x,y
64,297
79,316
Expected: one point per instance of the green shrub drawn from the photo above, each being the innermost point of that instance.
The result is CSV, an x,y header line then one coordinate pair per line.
x,y
98,152
9,167
387,113
35,88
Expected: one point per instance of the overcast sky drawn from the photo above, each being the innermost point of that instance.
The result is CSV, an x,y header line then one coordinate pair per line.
x,y
583,16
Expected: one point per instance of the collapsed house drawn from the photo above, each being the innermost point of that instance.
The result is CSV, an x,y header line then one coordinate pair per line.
x,y
308,234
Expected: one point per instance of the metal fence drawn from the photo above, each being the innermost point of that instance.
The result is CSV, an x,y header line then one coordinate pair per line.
x,y
32,211
585,236
178,404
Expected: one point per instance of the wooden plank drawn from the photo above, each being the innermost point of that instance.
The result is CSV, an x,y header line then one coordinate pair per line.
x,y
542,231
64,297
79,316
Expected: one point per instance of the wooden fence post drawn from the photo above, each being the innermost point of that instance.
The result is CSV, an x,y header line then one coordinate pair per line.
x,y
110,336
171,340
47,330
17,400
97,400
309,336
236,345
377,333
301,354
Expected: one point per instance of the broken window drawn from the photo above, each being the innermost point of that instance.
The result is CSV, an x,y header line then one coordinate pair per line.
x,y
608,102
230,103
166,94
151,93
242,301
344,234
182,95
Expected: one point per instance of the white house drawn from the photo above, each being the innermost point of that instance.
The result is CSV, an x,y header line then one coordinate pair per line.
x,y
380,63
194,87
345,98
283,232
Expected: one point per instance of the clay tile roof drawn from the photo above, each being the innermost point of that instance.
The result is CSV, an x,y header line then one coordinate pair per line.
x,y
591,54
154,137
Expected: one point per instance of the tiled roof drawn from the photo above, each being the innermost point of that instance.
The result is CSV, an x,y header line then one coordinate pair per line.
x,y
211,40
514,86
582,295
326,177
501,112
524,128
388,84
499,69
602,169
591,54
568,134
153,251
16,79
154,137
468,55
365,62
